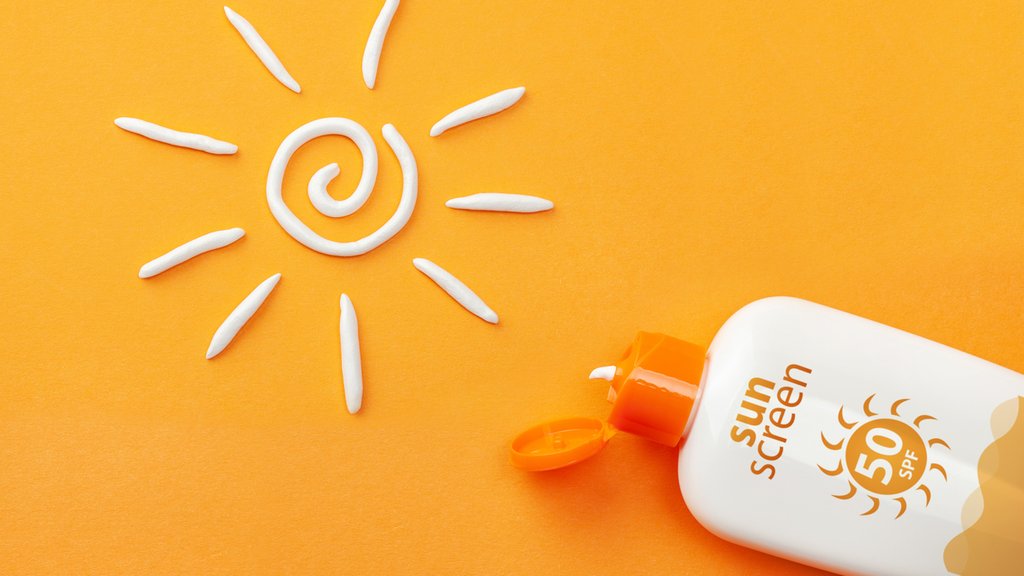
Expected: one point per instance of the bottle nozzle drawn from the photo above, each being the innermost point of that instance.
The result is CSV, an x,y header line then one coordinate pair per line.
x,y
606,373
603,373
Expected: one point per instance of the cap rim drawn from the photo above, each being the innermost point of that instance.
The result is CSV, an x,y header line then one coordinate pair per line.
x,y
558,443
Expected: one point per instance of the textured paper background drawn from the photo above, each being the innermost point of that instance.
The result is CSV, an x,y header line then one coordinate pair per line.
x,y
701,155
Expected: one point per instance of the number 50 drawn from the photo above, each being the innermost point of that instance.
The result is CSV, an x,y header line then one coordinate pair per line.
x,y
884,443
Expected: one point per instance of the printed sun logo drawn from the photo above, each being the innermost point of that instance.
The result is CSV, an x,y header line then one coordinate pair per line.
x,y
327,205
884,456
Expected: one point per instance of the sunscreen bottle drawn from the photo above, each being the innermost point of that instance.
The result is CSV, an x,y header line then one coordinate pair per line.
x,y
824,438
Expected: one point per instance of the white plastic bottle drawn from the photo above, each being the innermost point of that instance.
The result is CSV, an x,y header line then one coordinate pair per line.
x,y
825,438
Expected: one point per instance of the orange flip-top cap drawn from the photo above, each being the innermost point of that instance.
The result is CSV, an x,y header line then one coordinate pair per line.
x,y
559,443
655,385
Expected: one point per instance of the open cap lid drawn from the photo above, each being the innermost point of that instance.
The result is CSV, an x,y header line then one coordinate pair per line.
x,y
653,389
559,443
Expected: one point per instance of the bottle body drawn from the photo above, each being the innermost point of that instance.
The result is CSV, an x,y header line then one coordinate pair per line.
x,y
848,445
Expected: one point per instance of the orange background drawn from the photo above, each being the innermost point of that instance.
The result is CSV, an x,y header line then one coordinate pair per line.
x,y
700,154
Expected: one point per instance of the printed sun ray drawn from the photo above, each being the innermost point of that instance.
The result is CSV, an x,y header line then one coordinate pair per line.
x,y
189,250
922,418
832,445
874,506
894,410
903,506
174,137
262,50
927,493
867,407
848,495
843,422
834,472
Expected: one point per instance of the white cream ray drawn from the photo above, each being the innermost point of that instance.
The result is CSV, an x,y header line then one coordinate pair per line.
x,y
351,358
375,42
240,315
174,137
456,289
262,50
500,202
189,250
483,107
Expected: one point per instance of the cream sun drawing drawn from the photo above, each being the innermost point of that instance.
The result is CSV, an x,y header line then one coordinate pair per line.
x,y
327,205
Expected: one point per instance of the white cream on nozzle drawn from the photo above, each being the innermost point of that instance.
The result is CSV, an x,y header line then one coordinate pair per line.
x,y
605,373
